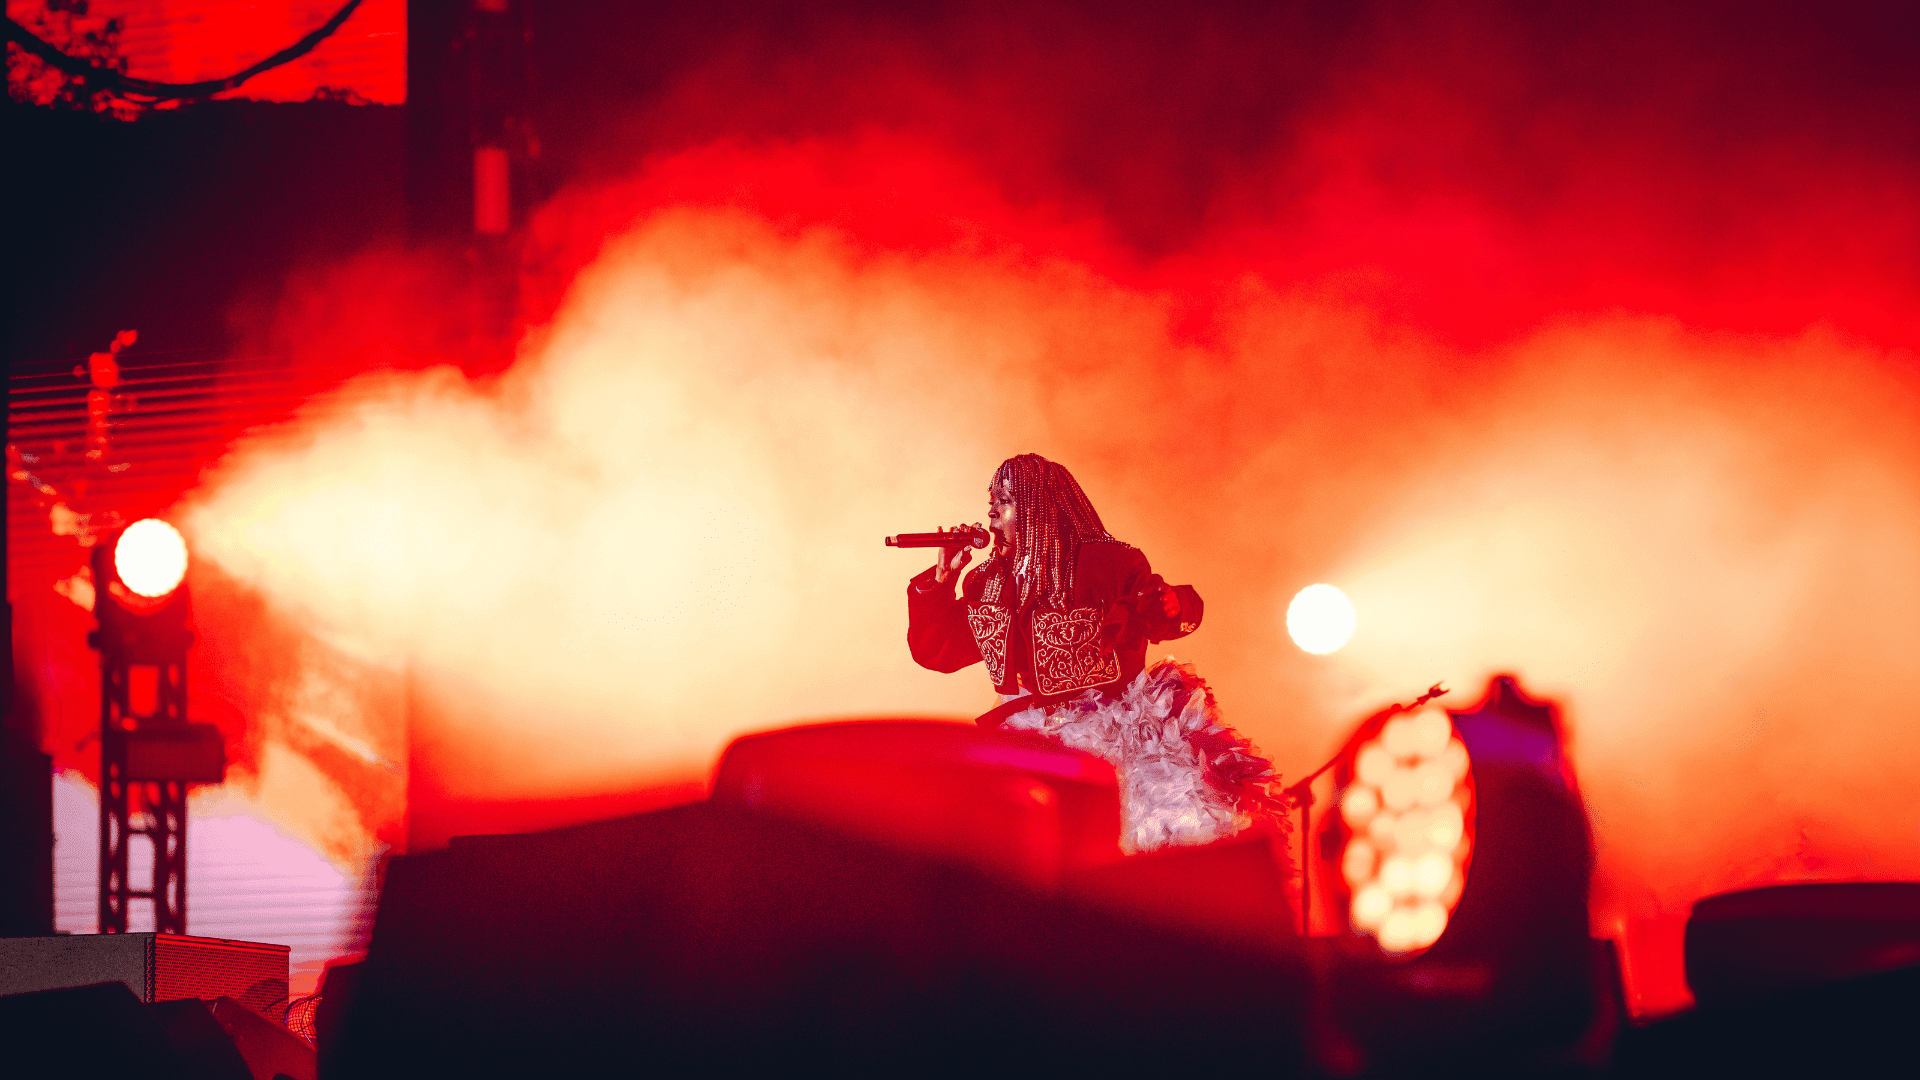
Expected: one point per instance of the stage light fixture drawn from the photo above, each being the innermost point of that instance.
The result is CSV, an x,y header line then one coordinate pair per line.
x,y
150,558
1459,852
1320,619
1408,807
150,752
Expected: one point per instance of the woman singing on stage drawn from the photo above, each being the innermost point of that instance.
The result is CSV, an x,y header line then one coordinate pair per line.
x,y
1061,614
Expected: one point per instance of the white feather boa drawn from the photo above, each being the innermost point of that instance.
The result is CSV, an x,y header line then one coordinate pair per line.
x,y
1185,777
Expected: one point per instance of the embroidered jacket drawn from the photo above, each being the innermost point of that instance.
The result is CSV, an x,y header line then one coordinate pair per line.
x,y
1098,641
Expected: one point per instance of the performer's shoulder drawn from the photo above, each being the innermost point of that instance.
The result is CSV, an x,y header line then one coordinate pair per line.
x,y
1110,554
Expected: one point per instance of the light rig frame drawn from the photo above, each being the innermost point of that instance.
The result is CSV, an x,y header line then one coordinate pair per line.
x,y
149,751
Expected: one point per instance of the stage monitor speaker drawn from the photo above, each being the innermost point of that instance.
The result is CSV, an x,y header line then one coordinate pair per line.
x,y
711,939
1759,943
156,967
1009,802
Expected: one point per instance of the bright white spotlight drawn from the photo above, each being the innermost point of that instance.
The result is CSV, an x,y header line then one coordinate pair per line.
x,y
1320,619
151,558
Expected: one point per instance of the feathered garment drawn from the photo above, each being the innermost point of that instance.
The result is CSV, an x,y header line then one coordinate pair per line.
x,y
1185,777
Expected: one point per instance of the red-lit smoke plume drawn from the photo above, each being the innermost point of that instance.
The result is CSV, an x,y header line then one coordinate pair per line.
x,y
1494,355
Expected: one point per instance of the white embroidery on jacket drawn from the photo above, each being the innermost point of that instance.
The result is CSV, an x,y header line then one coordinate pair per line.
x,y
990,623
1068,654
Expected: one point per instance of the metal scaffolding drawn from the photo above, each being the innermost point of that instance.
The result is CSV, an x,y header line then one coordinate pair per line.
x,y
149,752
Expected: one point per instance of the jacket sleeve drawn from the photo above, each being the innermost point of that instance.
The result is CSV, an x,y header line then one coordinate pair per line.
x,y
1161,627
1151,618
937,630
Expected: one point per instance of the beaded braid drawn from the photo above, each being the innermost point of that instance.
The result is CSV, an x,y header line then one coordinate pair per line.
x,y
1054,519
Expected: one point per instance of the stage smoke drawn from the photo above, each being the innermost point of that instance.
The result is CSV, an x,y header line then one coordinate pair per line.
x,y
1594,371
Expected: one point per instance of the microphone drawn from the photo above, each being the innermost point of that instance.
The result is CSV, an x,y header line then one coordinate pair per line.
x,y
959,536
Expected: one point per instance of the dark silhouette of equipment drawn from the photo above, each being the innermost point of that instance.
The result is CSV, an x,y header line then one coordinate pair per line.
x,y
149,751
1858,1027
104,1031
221,1039
473,155
903,897
1756,944
26,833
334,1003
97,1032
1008,803
1230,890
1809,979
155,967
717,940
1515,983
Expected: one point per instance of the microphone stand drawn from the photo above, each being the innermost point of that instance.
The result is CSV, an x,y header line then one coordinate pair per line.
x,y
1302,793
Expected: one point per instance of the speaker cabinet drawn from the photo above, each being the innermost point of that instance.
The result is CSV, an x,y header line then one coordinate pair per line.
x,y
1759,943
156,967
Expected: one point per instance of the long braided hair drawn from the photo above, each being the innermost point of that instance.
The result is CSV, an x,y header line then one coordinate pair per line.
x,y
1054,518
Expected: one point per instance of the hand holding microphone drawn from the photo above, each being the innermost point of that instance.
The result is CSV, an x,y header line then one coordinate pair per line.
x,y
953,544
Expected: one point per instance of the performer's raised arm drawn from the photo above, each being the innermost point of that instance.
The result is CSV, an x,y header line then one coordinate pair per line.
x,y
937,631
1159,611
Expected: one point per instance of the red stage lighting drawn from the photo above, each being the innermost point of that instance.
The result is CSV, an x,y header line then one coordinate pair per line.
x,y
1407,808
149,751
151,558
1465,857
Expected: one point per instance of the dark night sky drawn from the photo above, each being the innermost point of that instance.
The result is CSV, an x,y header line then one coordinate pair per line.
x,y
1720,144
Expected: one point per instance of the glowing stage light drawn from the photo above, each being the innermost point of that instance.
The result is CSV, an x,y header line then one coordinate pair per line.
x,y
1320,619
150,752
151,558
1359,805
1408,805
1460,856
